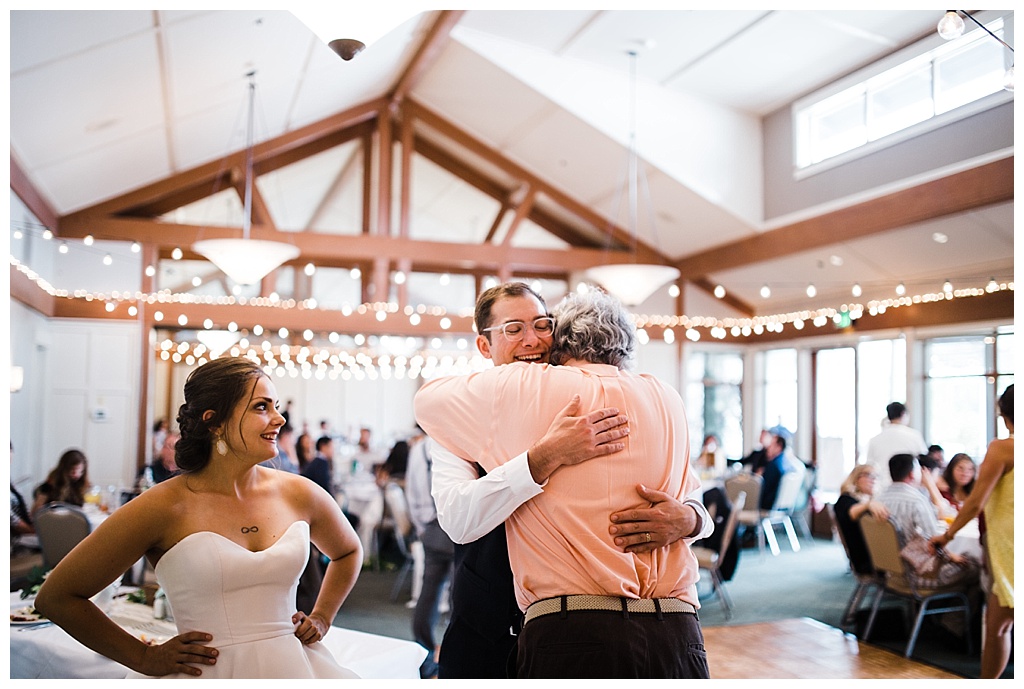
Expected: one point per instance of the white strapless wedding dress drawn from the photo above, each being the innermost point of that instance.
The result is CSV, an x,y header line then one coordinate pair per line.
x,y
246,601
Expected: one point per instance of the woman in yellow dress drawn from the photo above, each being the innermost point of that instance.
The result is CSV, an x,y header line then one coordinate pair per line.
x,y
993,492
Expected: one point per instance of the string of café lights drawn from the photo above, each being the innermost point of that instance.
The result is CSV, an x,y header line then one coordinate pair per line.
x,y
346,364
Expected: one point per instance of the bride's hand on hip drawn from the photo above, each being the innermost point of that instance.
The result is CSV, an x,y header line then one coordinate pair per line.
x,y
178,655
310,629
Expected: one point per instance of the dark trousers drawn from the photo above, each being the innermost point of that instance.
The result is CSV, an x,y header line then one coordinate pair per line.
x,y
600,644
438,552
480,638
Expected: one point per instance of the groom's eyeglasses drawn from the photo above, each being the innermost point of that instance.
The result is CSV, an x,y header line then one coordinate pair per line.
x,y
515,330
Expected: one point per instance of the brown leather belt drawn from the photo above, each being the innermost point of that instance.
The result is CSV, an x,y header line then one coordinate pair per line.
x,y
549,606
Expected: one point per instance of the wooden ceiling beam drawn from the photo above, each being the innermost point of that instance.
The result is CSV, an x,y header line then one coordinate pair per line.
x,y
705,285
300,142
645,253
426,54
30,196
322,248
975,188
987,307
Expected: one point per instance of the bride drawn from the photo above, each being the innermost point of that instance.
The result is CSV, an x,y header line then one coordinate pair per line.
x,y
228,540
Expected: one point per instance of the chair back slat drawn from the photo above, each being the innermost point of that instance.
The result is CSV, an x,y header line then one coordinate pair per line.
x,y
882,539
60,528
744,483
789,488
731,523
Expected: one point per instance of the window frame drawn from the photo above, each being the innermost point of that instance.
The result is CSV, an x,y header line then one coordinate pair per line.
x,y
927,48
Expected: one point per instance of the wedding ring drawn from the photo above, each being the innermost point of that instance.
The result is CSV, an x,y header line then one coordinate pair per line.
x,y
647,537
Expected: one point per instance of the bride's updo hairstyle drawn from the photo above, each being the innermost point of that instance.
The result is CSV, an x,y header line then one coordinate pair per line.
x,y
216,386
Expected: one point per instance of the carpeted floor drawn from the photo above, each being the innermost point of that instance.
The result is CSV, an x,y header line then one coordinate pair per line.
x,y
814,582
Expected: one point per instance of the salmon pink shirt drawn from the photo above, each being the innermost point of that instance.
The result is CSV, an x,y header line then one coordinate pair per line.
x,y
558,541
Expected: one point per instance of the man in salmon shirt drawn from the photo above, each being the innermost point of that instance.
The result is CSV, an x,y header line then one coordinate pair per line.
x,y
626,607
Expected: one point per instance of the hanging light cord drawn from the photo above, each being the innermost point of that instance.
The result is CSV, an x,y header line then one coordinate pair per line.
x,y
633,153
971,17
247,212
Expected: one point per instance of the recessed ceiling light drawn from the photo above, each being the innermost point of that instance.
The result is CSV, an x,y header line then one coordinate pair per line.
x,y
939,238
835,260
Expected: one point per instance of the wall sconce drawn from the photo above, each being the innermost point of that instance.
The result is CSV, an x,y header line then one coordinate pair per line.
x,y
17,378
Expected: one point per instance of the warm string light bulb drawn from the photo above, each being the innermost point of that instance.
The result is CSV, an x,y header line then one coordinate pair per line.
x,y
951,25
901,289
856,291
766,292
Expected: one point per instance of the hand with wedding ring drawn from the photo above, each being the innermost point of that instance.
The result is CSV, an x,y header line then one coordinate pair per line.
x,y
644,529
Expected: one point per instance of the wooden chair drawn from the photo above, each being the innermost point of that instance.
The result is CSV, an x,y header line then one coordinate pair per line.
x,y
60,527
883,541
750,516
711,560
865,582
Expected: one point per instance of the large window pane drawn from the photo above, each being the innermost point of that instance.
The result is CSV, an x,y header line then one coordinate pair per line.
x,y
968,74
902,100
1004,355
836,416
882,379
713,400
837,125
780,388
958,415
956,357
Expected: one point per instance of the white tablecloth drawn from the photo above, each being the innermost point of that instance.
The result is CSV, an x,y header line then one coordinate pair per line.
x,y
967,540
47,652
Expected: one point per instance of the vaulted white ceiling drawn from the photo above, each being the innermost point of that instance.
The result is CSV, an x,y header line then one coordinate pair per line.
x,y
104,102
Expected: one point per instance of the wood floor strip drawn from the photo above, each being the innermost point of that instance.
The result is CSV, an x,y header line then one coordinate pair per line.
x,y
804,649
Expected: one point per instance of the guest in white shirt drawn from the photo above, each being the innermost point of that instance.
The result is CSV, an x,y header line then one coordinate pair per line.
x,y
896,438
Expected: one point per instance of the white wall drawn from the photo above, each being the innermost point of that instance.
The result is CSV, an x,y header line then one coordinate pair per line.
x,y
80,391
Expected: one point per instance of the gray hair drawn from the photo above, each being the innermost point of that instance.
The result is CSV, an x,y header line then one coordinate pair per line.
x,y
593,327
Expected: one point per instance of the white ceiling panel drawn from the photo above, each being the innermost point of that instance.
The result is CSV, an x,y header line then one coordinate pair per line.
x,y
42,36
47,127
124,164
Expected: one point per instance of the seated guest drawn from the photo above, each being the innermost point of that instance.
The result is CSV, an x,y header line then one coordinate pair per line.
x,y
777,463
915,517
395,465
318,470
712,456
959,479
908,505
165,467
286,459
21,520
67,482
304,450
856,500
756,460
